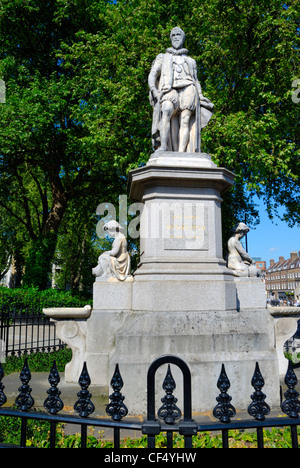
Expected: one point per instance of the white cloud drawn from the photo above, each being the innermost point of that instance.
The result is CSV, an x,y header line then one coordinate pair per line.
x,y
274,249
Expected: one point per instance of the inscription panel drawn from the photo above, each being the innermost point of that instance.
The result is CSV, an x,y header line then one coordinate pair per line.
x,y
187,229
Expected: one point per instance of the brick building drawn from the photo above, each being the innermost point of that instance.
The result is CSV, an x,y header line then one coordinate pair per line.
x,y
283,279
261,265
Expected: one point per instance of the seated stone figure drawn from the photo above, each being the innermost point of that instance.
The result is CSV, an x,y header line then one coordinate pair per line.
x,y
238,260
114,263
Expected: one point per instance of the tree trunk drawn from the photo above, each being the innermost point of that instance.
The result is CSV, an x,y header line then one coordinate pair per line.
x,y
39,261
77,276
59,204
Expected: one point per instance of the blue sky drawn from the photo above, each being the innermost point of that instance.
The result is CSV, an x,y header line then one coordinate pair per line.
x,y
271,239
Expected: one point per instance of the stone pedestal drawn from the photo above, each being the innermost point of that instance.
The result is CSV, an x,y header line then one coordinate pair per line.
x,y
181,232
182,300
204,341
112,302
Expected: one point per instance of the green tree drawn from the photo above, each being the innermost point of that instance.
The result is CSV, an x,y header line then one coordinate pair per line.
x,y
45,161
77,116
247,55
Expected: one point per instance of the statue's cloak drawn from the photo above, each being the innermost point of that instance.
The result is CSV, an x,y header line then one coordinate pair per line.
x,y
161,77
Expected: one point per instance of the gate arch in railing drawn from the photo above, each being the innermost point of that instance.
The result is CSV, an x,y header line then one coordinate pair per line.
x,y
169,412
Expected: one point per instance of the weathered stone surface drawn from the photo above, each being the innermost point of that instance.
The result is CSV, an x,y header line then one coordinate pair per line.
x,y
182,300
205,341
181,232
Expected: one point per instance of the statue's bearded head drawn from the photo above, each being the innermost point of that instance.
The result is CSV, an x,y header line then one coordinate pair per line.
x,y
177,37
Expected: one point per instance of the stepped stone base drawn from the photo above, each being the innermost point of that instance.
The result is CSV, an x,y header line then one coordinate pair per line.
x,y
238,337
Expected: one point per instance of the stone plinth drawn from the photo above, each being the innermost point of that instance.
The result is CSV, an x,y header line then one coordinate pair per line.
x,y
112,294
181,232
250,293
204,340
181,260
112,301
182,300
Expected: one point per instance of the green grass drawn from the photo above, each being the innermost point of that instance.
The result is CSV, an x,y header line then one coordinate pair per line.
x,y
38,436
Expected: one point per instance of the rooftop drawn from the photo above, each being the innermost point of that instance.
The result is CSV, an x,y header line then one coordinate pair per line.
x,y
283,264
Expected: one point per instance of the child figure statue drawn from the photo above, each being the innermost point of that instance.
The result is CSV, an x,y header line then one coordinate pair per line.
x,y
114,263
238,260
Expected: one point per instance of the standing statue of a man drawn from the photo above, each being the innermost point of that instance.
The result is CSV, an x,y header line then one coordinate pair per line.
x,y
180,110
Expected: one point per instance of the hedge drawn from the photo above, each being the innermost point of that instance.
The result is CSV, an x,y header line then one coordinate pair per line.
x,y
35,300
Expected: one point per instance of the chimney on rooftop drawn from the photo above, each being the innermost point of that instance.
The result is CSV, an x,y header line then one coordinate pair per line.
x,y
272,263
294,255
281,259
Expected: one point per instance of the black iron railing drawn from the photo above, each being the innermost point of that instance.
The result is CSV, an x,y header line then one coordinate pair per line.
x,y
25,331
167,419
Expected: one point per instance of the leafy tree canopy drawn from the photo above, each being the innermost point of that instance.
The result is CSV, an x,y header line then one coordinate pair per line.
x,y
77,116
